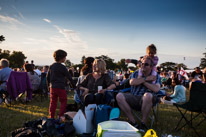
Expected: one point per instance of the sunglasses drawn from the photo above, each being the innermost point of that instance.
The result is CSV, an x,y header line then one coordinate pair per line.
x,y
145,64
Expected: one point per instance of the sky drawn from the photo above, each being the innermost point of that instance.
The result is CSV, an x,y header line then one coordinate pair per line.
x,y
116,28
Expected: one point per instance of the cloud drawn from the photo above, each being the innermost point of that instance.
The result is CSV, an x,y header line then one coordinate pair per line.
x,y
47,20
10,20
19,13
0,8
70,35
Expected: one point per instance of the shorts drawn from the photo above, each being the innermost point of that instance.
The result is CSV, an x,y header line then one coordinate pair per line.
x,y
135,102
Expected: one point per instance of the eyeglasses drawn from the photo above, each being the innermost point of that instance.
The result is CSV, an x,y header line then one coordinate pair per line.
x,y
145,64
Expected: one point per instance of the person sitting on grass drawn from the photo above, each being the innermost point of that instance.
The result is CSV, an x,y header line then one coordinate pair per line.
x,y
178,96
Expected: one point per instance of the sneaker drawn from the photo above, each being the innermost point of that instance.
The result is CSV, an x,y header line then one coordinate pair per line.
x,y
142,127
134,124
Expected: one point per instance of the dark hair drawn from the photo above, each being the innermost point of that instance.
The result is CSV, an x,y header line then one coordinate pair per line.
x,y
87,68
176,81
126,75
59,54
28,68
88,61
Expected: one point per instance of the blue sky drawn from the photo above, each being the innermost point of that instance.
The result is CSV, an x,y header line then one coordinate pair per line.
x,y
117,28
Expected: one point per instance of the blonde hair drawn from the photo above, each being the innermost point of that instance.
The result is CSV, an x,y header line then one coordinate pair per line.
x,y
100,65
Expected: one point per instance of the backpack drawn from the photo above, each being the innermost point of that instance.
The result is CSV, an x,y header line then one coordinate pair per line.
x,y
101,114
26,132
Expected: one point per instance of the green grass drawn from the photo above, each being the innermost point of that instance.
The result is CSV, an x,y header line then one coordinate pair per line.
x,y
15,116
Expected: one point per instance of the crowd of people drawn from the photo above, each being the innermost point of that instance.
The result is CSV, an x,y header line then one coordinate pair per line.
x,y
93,80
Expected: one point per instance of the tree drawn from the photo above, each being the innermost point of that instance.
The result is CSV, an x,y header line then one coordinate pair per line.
x,y
203,61
82,61
168,66
121,64
17,59
4,54
182,65
2,38
109,61
68,63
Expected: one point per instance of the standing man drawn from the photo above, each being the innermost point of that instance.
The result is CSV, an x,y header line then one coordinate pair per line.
x,y
142,94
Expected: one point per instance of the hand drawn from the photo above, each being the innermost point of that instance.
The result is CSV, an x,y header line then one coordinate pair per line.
x,y
150,78
102,91
128,61
86,90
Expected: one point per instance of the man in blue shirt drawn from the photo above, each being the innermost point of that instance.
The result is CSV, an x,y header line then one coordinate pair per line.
x,y
142,94
4,75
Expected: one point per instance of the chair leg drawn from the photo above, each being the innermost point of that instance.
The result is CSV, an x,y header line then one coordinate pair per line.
x,y
188,122
180,119
152,116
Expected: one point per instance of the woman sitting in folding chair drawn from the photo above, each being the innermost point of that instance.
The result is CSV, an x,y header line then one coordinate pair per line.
x,y
33,76
96,83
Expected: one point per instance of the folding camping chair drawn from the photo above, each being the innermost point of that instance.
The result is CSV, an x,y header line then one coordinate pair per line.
x,y
196,105
17,84
155,110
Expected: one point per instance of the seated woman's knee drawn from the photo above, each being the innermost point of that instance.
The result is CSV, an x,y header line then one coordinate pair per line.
x,y
119,97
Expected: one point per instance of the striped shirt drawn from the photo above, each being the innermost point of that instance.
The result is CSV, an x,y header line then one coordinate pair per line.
x,y
139,90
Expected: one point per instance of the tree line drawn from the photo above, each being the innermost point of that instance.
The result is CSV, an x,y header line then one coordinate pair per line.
x,y
17,59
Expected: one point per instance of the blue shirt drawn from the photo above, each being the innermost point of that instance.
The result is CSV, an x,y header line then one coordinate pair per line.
x,y
4,75
179,94
139,90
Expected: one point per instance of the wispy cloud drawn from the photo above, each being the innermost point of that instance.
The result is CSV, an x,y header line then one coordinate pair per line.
x,y
70,35
10,20
0,8
47,20
19,13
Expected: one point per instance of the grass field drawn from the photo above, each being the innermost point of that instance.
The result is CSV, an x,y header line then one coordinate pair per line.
x,y
15,116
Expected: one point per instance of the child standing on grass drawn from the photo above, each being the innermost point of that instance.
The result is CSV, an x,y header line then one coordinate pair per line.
x,y
56,81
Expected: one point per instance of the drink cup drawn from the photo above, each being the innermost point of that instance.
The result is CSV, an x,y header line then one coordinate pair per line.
x,y
99,88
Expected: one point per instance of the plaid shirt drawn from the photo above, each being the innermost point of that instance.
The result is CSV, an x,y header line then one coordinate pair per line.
x,y
139,90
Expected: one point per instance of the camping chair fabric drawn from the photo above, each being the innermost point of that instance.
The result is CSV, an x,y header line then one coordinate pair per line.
x,y
18,83
196,105
42,91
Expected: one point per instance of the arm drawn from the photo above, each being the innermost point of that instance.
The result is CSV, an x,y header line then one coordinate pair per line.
x,y
155,60
174,93
134,61
86,90
136,81
83,86
154,87
48,78
108,84
112,86
68,76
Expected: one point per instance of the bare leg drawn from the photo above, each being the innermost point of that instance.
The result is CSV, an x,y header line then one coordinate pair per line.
x,y
146,106
124,106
